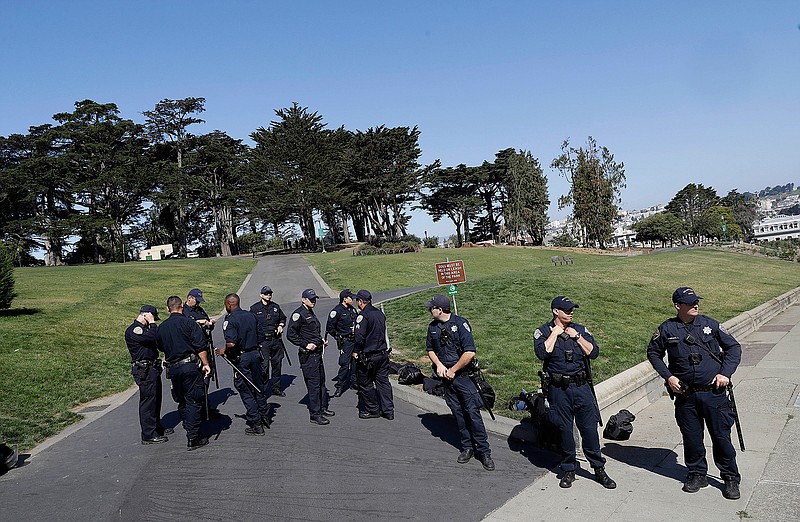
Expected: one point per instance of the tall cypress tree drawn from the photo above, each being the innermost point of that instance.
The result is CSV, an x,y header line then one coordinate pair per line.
x,y
6,278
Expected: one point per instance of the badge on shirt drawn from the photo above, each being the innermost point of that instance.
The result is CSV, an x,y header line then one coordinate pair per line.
x,y
656,335
225,325
454,328
707,330
466,327
333,314
537,333
295,316
138,330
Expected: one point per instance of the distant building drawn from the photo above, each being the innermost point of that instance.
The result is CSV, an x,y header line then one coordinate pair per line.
x,y
155,253
780,227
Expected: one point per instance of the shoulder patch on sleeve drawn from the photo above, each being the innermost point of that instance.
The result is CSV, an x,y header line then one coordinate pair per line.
x,y
225,325
656,335
359,318
537,333
722,329
333,314
295,316
138,330
466,327
587,331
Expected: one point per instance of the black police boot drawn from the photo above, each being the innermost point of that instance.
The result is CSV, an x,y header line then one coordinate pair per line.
x,y
388,416
196,443
602,477
695,482
158,439
319,419
255,429
338,392
366,415
265,421
465,455
488,463
328,413
567,479
168,431
277,392
731,491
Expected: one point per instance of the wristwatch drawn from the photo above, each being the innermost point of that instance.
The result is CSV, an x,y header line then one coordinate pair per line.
x,y
577,336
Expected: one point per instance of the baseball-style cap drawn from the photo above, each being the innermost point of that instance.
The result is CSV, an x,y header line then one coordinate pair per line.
x,y
309,293
346,293
266,290
149,308
197,294
438,301
364,295
563,302
685,295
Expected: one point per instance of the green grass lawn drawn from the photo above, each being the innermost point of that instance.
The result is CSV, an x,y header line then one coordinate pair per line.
x,y
62,342
507,296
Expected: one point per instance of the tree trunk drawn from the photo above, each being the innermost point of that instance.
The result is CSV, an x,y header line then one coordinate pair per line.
x,y
345,228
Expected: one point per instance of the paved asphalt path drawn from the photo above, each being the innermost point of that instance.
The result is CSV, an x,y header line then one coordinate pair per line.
x,y
352,469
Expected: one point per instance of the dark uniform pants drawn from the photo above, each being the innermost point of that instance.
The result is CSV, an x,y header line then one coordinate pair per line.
x,y
272,349
347,365
374,387
189,392
576,402
462,397
255,403
314,375
149,401
713,409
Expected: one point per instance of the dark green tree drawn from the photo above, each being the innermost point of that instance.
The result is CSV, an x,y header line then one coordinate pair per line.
x,y
744,212
664,227
596,181
689,204
489,181
168,124
711,221
527,200
7,293
449,192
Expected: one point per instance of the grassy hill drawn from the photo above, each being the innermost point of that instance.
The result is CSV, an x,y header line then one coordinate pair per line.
x,y
62,342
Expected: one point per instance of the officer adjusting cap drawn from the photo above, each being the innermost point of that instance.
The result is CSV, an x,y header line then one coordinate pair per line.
x,y
151,309
563,302
309,293
439,301
266,290
197,294
685,295
364,295
345,294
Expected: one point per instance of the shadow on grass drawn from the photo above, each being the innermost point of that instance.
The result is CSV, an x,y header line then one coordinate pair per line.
x,y
16,312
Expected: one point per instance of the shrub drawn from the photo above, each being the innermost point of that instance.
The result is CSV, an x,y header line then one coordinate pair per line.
x,y
565,240
430,242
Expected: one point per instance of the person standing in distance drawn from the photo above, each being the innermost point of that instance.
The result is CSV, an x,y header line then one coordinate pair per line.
x,y
304,331
451,348
372,355
562,345
702,357
341,326
141,338
184,346
241,348
271,321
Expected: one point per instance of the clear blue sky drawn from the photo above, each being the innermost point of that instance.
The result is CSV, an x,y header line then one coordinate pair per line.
x,y
681,92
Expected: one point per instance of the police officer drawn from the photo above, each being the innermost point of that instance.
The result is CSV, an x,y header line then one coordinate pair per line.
x,y
372,355
341,326
701,356
451,349
271,321
563,345
146,370
241,348
194,311
183,344
304,331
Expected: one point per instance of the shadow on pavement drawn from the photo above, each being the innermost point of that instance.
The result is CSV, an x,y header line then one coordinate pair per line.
x,y
663,461
442,426
539,457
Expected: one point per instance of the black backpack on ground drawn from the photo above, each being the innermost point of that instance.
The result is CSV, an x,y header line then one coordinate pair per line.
x,y
619,426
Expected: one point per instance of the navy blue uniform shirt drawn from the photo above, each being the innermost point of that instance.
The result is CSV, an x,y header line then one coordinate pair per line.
x,y
557,360
450,339
179,337
370,336
341,321
268,317
195,313
142,342
304,328
671,339
241,329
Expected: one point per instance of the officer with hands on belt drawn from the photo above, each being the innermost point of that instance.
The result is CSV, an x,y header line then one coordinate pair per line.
x,y
304,331
271,321
183,343
372,355
451,348
562,345
241,348
146,370
341,326
702,357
